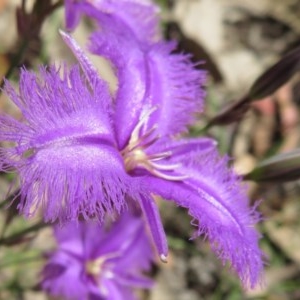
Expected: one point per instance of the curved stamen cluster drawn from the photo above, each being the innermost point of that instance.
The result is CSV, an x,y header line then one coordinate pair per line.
x,y
135,155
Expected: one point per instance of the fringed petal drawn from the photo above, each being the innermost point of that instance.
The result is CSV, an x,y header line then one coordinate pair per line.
x,y
49,101
139,17
72,180
132,246
117,44
174,86
136,281
59,283
114,241
96,83
113,291
215,199
12,132
65,149
69,238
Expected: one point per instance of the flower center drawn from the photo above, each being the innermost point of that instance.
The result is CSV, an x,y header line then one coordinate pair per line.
x,y
135,154
94,267
97,266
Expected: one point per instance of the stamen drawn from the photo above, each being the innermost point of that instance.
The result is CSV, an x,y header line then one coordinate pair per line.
x,y
159,156
148,133
99,265
143,119
135,153
165,167
150,142
93,267
139,143
169,177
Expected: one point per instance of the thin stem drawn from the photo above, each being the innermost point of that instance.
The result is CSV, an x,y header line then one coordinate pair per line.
x,y
12,197
14,237
58,4
15,61
5,202
21,260
23,5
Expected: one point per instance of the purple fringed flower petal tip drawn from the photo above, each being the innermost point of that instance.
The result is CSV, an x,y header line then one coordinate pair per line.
x,y
139,17
94,262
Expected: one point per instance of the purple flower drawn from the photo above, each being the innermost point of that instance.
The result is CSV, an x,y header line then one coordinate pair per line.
x,y
140,17
81,151
94,262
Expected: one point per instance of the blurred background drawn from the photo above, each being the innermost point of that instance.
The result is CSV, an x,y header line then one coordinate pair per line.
x,y
235,41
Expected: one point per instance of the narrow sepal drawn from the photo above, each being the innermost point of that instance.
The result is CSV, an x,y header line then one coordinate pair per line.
x,y
151,213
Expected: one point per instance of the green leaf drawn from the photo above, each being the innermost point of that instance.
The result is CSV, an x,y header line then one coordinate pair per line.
x,y
270,81
276,76
280,168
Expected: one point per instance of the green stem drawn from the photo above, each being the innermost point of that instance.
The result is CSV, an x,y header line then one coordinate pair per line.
x,y
202,130
21,261
9,199
57,5
5,202
14,237
15,61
